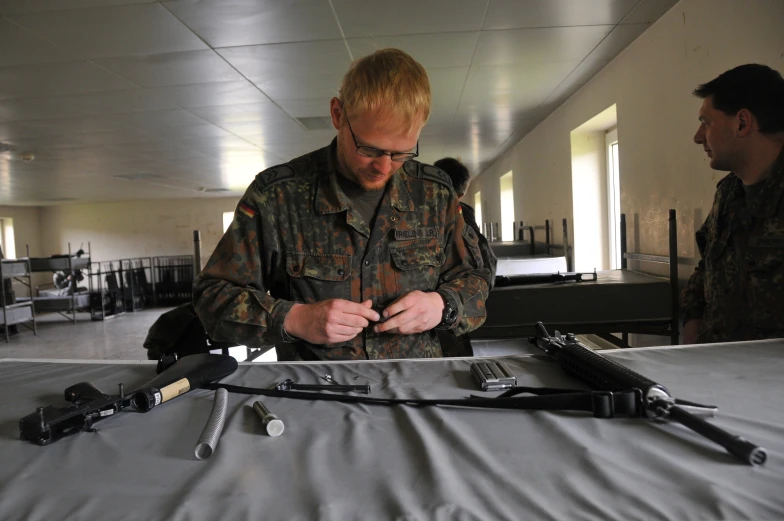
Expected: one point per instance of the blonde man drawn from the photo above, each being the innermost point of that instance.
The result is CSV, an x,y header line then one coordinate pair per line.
x,y
354,251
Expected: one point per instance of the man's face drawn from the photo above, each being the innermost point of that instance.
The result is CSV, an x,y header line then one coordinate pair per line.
x,y
378,130
717,135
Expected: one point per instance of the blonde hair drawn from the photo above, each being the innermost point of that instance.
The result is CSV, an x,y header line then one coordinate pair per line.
x,y
388,79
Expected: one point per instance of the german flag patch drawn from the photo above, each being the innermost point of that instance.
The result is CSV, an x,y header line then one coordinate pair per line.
x,y
246,210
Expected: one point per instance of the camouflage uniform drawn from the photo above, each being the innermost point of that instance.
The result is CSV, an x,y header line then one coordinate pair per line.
x,y
452,345
738,286
296,236
488,257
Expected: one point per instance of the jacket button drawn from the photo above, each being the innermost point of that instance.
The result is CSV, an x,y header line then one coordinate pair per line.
x,y
393,218
295,268
367,263
340,272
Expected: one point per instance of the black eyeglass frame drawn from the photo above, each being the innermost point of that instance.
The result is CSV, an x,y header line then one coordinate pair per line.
x,y
375,153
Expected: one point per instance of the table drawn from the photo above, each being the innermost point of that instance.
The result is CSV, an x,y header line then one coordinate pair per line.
x,y
339,461
619,301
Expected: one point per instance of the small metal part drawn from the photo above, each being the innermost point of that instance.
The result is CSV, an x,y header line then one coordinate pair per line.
x,y
272,424
122,390
328,377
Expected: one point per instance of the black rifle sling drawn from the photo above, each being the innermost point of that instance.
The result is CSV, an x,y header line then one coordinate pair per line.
x,y
603,404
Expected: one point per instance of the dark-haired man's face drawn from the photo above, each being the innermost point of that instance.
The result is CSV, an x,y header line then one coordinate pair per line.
x,y
717,135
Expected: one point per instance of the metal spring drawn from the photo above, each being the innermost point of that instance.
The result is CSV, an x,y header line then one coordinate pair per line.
x,y
212,431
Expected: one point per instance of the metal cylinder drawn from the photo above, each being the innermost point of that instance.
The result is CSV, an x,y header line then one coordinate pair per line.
x,y
272,424
212,431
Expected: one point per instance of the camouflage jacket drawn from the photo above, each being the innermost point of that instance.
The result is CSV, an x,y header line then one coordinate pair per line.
x,y
295,238
488,257
738,286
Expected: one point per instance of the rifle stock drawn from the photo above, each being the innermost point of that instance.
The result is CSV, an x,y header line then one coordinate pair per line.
x,y
89,405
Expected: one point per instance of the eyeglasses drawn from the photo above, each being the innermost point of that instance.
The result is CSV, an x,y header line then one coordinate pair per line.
x,y
367,151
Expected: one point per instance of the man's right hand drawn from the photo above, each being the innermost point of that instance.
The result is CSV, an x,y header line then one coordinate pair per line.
x,y
690,330
329,321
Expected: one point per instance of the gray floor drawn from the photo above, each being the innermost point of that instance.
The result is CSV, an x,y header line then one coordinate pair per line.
x,y
119,338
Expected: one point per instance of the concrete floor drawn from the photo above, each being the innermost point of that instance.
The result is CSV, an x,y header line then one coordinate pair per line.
x,y
119,338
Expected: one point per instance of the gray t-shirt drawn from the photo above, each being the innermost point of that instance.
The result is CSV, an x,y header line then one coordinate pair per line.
x,y
363,201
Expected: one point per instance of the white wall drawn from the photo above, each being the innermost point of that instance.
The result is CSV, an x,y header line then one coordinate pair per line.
x,y
651,83
135,229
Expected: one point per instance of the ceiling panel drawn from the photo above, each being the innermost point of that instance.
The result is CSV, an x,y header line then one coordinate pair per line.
x,y
178,96
156,119
305,108
431,50
179,68
576,79
64,106
243,112
40,6
302,87
261,63
648,11
113,31
515,14
500,92
535,46
446,85
29,81
19,46
53,127
252,22
211,94
382,18
618,39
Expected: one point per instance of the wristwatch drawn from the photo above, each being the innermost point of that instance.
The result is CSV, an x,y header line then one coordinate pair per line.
x,y
449,314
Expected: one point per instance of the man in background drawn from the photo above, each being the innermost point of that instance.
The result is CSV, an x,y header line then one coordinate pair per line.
x,y
461,179
737,290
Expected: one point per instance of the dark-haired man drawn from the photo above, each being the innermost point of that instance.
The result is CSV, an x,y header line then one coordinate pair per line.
x,y
737,290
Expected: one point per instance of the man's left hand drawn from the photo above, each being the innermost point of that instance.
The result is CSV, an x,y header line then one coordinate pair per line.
x,y
414,312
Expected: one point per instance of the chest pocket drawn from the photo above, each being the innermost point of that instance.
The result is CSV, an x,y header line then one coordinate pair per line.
x,y
318,276
417,264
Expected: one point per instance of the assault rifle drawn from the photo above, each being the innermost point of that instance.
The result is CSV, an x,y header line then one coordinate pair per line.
x,y
653,400
542,278
89,405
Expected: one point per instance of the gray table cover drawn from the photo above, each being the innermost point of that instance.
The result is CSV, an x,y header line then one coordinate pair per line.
x,y
344,462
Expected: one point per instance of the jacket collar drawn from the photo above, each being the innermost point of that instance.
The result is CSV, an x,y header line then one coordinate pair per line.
x,y
329,197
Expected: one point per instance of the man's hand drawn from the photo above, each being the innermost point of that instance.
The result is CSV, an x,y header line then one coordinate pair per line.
x,y
329,321
414,312
690,330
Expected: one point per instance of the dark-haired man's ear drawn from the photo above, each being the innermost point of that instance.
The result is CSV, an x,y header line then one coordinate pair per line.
x,y
744,122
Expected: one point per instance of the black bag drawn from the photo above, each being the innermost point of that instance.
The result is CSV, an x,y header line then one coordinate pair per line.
x,y
178,333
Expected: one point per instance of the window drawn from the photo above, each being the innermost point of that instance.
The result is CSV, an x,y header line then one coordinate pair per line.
x,y
478,209
507,207
7,241
227,218
613,199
